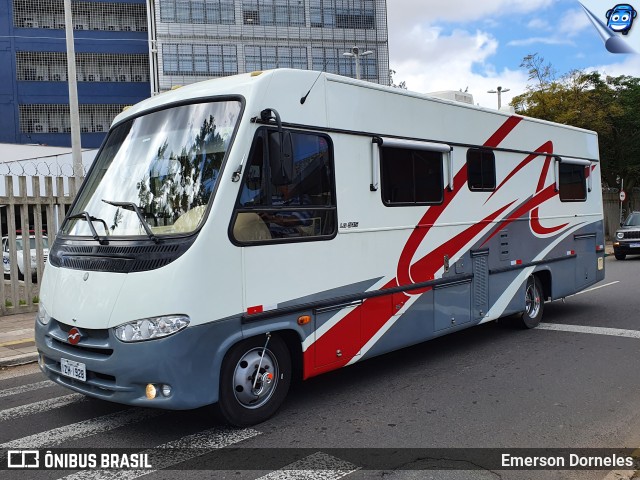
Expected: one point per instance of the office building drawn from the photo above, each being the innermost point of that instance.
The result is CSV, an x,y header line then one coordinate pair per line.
x,y
200,39
127,50
112,57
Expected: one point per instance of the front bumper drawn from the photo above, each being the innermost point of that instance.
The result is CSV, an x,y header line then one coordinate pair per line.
x,y
627,247
119,372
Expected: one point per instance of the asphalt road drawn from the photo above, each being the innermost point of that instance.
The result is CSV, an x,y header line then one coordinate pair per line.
x,y
563,385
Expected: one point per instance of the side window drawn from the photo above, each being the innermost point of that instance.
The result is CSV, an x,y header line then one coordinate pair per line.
x,y
286,200
411,177
572,183
481,170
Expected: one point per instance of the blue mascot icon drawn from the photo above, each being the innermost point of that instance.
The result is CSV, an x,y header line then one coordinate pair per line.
x,y
621,18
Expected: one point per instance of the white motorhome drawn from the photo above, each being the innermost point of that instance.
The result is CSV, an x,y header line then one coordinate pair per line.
x,y
236,233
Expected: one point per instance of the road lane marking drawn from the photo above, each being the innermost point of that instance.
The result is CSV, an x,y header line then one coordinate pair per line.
x,y
594,288
318,465
26,388
38,407
83,429
14,372
614,332
183,449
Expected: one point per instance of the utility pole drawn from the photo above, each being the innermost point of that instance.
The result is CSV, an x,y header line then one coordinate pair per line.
x,y
499,91
74,115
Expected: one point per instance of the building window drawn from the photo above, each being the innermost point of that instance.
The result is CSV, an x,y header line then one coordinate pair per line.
x,y
198,12
273,12
481,170
125,17
203,60
90,67
54,118
411,176
332,60
572,182
356,14
287,201
266,58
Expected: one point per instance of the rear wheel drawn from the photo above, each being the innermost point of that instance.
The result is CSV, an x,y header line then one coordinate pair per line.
x,y
254,381
534,303
620,256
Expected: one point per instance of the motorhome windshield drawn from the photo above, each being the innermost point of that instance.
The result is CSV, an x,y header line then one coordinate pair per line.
x,y
166,163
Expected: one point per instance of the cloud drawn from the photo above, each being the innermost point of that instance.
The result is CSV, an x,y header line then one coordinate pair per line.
x,y
578,23
539,24
629,65
410,12
430,61
525,42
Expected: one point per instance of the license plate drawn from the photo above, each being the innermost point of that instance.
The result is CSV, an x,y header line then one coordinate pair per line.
x,y
72,369
635,245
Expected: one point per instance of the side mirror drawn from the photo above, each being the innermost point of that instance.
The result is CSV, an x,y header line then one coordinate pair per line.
x,y
281,157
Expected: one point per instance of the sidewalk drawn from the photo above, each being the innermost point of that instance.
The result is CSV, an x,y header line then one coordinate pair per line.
x,y
16,340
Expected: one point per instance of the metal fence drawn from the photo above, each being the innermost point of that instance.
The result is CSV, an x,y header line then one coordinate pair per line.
x,y
30,215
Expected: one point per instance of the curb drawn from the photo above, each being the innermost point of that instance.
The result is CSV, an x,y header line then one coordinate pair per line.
x,y
18,360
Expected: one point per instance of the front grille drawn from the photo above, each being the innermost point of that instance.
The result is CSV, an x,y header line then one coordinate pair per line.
x,y
117,258
94,343
76,349
114,265
98,383
632,235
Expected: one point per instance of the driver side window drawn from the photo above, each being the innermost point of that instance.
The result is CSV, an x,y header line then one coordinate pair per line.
x,y
290,198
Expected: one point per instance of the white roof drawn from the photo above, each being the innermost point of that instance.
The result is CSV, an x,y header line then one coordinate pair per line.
x,y
10,152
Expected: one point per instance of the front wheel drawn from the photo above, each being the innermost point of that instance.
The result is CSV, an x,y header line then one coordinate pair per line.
x,y
620,256
254,380
534,303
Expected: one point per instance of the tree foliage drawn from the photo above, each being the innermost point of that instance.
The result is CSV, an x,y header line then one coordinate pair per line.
x,y
606,105
402,85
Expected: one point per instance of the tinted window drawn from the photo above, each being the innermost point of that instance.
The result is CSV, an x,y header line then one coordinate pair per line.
x,y
411,177
279,206
481,170
573,185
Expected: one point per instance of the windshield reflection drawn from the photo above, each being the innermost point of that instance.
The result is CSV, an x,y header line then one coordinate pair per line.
x,y
167,163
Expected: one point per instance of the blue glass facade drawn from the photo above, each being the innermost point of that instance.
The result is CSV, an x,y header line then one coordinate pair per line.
x,y
111,44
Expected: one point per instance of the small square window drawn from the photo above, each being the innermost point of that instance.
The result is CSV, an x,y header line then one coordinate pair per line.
x,y
411,177
573,183
481,170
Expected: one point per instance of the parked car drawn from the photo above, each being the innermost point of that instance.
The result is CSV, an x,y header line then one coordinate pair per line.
x,y
6,258
627,241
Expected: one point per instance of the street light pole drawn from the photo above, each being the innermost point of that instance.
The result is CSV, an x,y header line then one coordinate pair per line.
x,y
356,53
499,91
74,115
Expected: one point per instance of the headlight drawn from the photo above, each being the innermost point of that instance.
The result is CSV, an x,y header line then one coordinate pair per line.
x,y
620,235
151,328
42,315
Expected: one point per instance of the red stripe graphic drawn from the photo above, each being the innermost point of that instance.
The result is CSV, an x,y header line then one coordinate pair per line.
x,y
376,312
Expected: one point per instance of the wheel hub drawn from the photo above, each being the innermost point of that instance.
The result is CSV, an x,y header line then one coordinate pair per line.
x,y
255,378
532,301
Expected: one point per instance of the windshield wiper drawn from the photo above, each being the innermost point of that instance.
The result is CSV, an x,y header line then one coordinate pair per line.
x,y
131,206
89,219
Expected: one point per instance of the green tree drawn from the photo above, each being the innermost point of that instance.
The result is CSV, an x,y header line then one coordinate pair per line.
x,y
402,84
586,100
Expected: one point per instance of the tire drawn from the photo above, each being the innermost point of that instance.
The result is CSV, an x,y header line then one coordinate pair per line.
x,y
534,303
241,405
620,256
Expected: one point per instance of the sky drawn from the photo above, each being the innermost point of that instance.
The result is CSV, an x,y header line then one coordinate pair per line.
x,y
439,45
